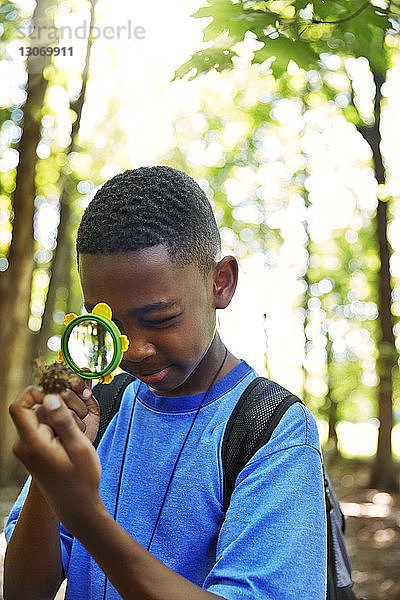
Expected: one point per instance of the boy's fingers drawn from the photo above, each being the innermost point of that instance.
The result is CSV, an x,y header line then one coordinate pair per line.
x,y
81,387
41,415
30,396
74,402
60,418
79,422
23,414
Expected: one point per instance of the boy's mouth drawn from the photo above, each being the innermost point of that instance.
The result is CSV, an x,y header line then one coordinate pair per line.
x,y
153,377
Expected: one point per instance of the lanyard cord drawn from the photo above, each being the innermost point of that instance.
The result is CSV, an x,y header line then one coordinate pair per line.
x,y
120,473
183,445
176,462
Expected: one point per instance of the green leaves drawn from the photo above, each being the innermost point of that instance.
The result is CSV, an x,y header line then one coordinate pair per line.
x,y
285,50
219,58
235,20
10,19
293,30
222,13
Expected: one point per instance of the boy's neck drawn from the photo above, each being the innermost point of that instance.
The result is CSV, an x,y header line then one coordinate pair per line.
x,y
200,379
212,362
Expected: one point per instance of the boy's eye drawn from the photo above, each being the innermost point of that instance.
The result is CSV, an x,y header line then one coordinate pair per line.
x,y
163,321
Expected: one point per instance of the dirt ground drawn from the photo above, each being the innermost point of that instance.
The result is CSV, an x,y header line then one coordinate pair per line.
x,y
372,530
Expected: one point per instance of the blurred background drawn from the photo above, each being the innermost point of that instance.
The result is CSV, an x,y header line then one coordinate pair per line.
x,y
287,113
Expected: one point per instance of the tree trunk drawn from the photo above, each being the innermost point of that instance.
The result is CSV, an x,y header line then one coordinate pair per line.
x,y
15,284
332,450
59,280
306,277
64,252
332,422
304,306
383,475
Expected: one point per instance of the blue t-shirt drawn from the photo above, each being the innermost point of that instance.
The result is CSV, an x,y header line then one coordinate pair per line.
x,y
272,543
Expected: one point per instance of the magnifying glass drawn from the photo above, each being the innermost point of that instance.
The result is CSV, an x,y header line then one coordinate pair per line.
x,y
92,344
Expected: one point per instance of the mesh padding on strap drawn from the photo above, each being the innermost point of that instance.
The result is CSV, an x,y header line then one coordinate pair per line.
x,y
109,398
250,426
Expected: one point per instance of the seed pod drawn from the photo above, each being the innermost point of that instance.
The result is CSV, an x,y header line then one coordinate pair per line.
x,y
53,378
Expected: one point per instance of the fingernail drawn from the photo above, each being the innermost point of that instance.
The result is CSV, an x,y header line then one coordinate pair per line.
x,y
86,393
52,402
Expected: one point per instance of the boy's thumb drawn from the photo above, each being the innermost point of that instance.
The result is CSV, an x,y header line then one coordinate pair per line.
x,y
59,417
52,402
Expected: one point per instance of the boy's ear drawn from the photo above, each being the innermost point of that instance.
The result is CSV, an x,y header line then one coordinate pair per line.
x,y
225,281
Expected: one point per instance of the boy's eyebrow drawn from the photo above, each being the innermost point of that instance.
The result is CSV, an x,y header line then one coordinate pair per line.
x,y
147,308
158,306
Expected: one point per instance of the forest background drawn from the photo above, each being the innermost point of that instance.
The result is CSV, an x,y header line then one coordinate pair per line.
x,y
287,113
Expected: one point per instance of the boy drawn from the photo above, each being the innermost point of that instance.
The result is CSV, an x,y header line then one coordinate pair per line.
x,y
148,245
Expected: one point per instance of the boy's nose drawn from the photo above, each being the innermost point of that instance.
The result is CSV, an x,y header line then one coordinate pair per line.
x,y
139,350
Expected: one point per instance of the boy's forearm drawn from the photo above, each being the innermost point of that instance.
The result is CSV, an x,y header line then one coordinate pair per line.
x,y
134,572
32,567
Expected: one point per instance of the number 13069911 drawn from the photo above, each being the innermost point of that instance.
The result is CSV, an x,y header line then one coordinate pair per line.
x,y
46,50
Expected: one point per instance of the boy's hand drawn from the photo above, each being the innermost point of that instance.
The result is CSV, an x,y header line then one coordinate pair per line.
x,y
82,404
59,457
80,400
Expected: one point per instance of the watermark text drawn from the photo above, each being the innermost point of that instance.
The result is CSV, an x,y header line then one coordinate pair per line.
x,y
81,32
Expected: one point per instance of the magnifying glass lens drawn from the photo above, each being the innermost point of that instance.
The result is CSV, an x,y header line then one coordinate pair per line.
x,y
90,346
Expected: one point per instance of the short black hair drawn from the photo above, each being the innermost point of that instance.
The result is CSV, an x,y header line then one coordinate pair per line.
x,y
149,206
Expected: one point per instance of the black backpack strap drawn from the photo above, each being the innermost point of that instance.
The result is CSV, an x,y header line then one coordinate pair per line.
x,y
109,398
250,426
331,591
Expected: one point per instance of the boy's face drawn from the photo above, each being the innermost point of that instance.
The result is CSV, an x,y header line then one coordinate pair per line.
x,y
167,312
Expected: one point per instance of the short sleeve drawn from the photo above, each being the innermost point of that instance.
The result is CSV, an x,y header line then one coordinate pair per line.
x,y
65,536
272,543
